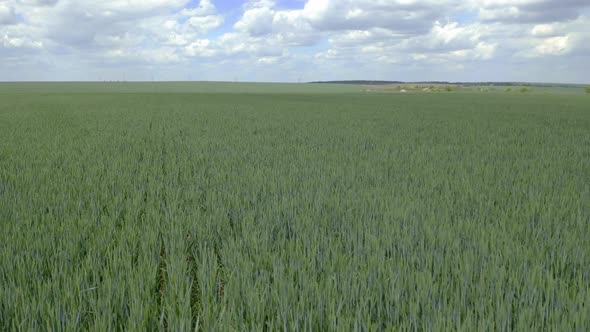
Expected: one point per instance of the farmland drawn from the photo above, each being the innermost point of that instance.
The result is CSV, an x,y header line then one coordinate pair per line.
x,y
181,206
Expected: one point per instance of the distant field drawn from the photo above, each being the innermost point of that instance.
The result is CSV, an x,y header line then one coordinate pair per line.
x,y
172,87
224,206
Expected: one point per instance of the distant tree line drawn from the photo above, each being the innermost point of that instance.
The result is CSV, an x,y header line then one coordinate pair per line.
x,y
516,85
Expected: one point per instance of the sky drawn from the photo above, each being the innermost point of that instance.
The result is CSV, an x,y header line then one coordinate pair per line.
x,y
295,40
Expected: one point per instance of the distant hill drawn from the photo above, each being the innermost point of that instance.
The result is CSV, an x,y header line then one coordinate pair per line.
x,y
545,85
361,82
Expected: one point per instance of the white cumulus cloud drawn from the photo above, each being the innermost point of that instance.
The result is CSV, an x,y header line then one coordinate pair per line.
x,y
287,39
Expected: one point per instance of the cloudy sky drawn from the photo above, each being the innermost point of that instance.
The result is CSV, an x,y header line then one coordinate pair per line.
x,y
295,40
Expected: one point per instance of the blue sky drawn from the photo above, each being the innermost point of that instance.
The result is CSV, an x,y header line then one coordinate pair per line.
x,y
295,40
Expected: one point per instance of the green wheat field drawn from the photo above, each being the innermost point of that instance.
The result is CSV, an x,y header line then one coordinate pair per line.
x,y
295,207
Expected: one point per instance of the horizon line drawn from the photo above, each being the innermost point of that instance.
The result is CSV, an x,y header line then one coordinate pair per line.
x,y
348,81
